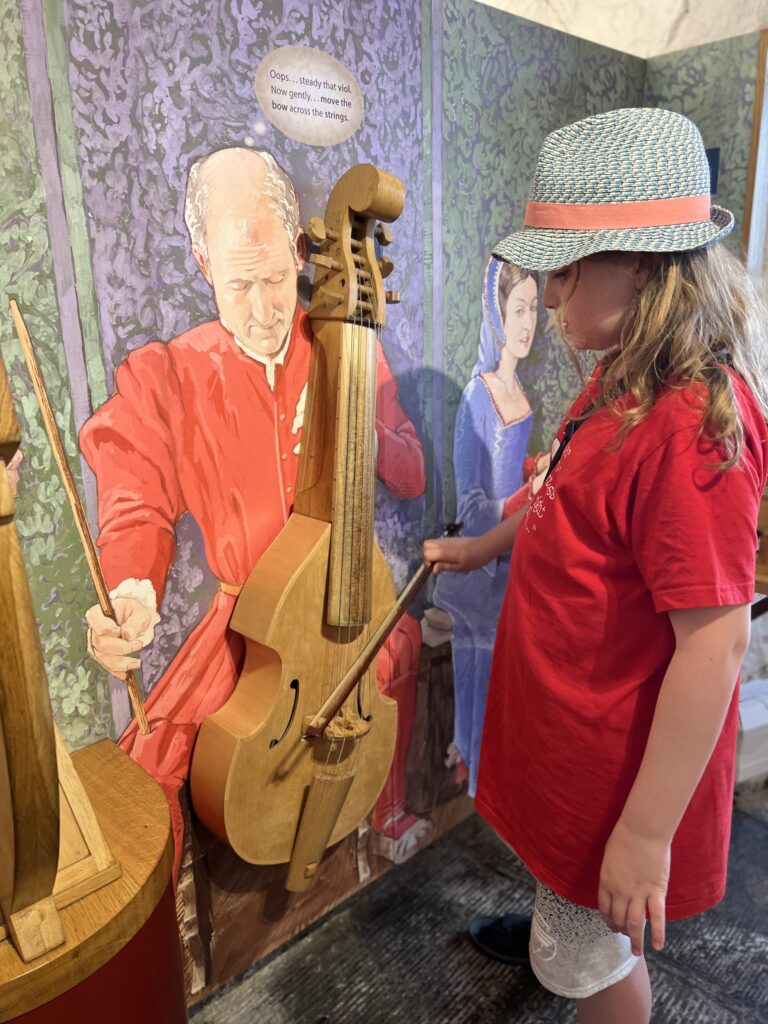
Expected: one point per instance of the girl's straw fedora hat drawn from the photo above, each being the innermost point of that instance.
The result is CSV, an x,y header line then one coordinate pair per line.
x,y
635,180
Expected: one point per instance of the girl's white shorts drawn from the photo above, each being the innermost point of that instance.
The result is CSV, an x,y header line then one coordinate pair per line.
x,y
573,951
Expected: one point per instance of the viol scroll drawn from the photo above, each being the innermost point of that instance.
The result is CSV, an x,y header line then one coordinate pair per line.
x,y
297,757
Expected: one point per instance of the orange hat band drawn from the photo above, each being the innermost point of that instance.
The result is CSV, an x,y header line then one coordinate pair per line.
x,y
593,216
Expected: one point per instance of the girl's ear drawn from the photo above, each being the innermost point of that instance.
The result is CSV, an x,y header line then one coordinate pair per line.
x,y
644,269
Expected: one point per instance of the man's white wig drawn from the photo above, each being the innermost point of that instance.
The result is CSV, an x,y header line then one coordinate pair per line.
x,y
278,189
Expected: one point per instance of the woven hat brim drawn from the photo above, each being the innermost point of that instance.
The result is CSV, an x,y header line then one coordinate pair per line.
x,y
550,248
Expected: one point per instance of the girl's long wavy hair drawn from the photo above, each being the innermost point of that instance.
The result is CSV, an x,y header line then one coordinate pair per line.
x,y
698,313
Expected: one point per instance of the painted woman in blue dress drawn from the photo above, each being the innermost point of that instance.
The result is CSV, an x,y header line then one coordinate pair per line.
x,y
493,425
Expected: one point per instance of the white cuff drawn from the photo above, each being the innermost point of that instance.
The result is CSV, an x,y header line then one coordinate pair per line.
x,y
139,590
143,592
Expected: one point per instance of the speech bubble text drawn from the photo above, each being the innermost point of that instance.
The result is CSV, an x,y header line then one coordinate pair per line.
x,y
309,95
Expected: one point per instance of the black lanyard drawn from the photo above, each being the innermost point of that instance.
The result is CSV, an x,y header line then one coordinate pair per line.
x,y
570,429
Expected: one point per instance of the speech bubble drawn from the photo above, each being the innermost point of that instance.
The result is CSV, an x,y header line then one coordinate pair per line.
x,y
309,95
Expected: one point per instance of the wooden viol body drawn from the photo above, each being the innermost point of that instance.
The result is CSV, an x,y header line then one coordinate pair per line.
x,y
274,774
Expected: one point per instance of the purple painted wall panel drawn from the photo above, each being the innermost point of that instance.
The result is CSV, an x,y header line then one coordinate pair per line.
x,y
156,84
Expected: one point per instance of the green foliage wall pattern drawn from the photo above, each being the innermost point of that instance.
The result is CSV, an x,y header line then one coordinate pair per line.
x,y
56,567
714,85
507,84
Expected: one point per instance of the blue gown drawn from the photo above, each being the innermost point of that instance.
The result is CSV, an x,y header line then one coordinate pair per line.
x,y
488,460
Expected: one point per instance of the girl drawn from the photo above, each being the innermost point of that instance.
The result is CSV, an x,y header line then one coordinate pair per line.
x,y
608,749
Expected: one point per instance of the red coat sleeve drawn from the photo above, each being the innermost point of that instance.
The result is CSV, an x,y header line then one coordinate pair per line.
x,y
129,445
400,460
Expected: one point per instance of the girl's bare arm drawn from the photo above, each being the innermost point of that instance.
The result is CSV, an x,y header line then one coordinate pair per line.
x,y
689,715
462,554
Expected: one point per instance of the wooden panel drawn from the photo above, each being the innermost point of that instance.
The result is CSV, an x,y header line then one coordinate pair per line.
x,y
29,791
85,861
761,568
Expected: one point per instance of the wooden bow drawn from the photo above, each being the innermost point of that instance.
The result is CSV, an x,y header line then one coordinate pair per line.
x,y
49,421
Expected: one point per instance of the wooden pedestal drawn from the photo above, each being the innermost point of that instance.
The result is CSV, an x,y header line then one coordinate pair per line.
x,y
120,960
761,568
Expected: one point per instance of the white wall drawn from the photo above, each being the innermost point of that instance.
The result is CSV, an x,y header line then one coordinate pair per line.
x,y
644,28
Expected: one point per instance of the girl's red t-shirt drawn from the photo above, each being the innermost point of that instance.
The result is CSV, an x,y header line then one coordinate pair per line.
x,y
613,541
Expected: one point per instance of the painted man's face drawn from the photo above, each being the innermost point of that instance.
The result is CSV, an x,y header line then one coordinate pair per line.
x,y
253,274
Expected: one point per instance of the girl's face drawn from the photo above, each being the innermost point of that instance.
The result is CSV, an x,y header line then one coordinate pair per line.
x,y
599,293
520,318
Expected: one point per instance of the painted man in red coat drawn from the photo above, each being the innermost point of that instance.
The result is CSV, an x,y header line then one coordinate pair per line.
x,y
210,424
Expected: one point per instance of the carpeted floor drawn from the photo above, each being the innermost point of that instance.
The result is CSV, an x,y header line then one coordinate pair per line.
x,y
398,951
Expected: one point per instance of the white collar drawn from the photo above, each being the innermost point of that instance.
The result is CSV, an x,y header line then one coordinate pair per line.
x,y
268,362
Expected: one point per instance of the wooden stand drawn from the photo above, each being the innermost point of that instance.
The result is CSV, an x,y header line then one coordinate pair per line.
x,y
761,567
85,861
760,607
52,851
85,841
120,960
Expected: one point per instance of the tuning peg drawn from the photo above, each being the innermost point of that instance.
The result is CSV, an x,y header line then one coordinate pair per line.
x,y
392,297
329,299
324,261
383,234
386,266
320,233
316,230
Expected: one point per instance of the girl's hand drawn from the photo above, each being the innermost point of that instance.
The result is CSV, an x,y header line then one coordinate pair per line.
x,y
633,884
455,554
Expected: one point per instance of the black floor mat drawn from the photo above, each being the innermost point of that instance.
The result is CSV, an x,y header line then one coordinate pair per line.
x,y
398,951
